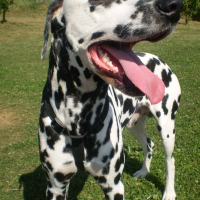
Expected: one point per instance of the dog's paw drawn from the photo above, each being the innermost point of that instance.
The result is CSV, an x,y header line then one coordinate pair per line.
x,y
141,173
169,195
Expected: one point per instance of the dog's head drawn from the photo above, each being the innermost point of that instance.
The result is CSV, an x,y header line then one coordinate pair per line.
x,y
103,32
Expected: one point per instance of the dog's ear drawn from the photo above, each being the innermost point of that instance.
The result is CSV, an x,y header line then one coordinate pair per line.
x,y
53,8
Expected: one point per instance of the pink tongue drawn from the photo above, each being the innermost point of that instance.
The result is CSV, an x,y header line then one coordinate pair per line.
x,y
138,73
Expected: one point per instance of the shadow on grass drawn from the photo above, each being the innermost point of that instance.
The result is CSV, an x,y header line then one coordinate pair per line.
x,y
34,185
132,165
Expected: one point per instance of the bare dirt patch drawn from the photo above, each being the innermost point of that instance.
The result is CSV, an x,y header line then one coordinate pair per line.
x,y
8,118
10,122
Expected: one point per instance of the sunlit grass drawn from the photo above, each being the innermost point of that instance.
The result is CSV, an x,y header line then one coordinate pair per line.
x,y
22,77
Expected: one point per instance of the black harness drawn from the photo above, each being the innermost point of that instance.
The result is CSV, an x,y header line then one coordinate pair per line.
x,y
77,140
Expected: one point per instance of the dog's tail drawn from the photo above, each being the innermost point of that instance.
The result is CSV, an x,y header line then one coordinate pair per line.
x,y
55,5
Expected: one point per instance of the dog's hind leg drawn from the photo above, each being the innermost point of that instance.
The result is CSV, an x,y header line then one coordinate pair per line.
x,y
137,128
165,112
166,130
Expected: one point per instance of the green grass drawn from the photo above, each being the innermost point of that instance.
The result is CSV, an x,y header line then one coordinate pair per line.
x,y
22,77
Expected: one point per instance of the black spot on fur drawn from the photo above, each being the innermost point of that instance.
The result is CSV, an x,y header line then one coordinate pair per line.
x,y
52,136
68,162
73,129
116,100
87,73
120,97
168,136
107,138
99,109
145,9
139,32
81,40
41,123
43,155
166,77
55,25
158,114
123,31
125,122
149,156
173,131
75,74
179,98
50,185
159,128
78,60
59,97
105,158
174,109
89,116
61,75
117,178
148,148
112,152
149,141
60,197
107,190
74,70
100,179
92,8
70,112
152,64
49,166
134,16
92,150
117,165
61,177
118,196
164,103
119,161
49,195
140,54
97,35
128,106
106,169
116,148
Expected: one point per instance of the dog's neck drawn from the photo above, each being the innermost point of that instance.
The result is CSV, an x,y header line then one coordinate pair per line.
x,y
77,95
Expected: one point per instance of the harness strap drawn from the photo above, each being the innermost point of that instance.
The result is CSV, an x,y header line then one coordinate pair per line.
x,y
77,140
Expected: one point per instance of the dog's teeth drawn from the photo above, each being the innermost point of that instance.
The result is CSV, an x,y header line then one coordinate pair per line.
x,y
116,69
110,63
100,51
106,58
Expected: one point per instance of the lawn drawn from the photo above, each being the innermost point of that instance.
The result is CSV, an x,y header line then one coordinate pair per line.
x,y
22,77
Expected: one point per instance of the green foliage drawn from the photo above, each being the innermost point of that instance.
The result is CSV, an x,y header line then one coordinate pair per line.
x,y
191,8
4,4
22,78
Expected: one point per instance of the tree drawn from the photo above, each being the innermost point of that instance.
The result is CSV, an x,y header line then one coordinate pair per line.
x,y
4,4
191,8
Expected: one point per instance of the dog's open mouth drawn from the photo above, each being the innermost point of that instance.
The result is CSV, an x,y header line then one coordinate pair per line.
x,y
118,62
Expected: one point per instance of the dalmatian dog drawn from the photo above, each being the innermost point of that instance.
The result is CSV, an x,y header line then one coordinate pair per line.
x,y
96,86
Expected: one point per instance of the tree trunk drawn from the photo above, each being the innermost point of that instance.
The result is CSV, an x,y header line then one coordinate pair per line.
x,y
186,19
3,16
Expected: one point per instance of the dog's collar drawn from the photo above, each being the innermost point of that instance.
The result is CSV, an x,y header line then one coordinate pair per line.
x,y
59,127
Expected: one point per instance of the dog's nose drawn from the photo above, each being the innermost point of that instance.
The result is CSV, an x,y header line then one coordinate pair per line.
x,y
170,8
